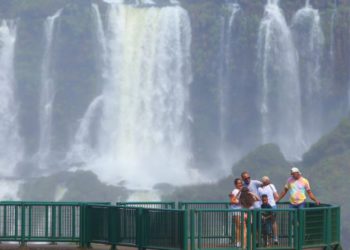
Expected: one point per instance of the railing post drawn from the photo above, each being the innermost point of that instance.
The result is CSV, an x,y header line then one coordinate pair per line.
x,y
81,227
84,225
30,220
199,229
23,228
328,226
243,228
185,229
16,221
291,225
139,229
47,221
5,220
192,228
87,219
112,224
338,224
73,222
253,230
249,230
300,223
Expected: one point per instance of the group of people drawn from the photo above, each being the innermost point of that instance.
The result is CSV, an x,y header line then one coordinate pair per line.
x,y
255,194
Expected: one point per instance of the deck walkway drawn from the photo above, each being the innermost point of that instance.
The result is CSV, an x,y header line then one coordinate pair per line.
x,y
72,247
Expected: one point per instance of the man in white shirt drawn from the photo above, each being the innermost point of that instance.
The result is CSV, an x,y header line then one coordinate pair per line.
x,y
252,185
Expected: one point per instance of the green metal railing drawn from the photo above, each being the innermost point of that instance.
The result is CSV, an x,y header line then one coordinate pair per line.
x,y
188,205
196,225
320,226
41,221
237,229
137,227
311,227
154,204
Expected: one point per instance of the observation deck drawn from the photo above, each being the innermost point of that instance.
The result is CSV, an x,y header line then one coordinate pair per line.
x,y
165,226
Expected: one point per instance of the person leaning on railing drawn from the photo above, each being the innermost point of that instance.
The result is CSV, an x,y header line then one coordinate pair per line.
x,y
298,187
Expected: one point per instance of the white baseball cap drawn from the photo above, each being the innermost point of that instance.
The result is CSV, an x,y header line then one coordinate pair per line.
x,y
295,170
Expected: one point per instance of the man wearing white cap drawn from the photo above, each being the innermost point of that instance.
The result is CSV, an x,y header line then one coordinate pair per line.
x,y
297,186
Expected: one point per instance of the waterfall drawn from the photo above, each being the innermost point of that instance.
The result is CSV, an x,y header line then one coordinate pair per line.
x,y
309,40
225,82
11,150
84,141
46,94
333,20
100,34
280,98
143,122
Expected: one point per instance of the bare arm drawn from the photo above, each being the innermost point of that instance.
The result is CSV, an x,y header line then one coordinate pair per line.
x,y
233,199
313,197
256,198
283,193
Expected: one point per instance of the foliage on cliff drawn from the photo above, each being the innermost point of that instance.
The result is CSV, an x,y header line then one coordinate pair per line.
x,y
337,142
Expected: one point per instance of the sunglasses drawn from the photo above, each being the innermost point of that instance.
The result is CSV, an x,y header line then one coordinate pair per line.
x,y
247,178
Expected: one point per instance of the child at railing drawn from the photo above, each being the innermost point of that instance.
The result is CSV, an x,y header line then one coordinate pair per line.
x,y
266,220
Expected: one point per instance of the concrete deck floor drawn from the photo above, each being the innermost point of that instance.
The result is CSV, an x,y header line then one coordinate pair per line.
x,y
57,247
69,247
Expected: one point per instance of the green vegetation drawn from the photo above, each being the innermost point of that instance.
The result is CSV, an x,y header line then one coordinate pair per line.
x,y
335,143
265,160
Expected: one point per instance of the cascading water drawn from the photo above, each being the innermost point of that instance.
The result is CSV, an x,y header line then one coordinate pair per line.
x,y
225,83
280,97
142,136
84,141
309,40
11,149
46,94
333,20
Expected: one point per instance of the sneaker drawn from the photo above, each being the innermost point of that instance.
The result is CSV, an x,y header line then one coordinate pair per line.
x,y
238,244
275,241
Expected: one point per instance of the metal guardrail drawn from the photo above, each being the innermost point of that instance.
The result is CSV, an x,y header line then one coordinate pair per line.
x,y
137,227
230,224
296,229
198,225
30,221
320,226
41,221
154,204
188,205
